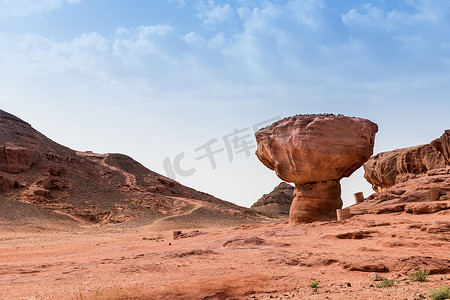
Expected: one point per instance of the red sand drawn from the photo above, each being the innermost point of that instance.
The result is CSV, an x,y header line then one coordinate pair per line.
x,y
261,261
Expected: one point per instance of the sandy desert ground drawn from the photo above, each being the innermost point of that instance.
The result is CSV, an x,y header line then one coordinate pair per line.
x,y
252,261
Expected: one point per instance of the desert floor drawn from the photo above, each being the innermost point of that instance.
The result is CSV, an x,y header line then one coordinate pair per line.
x,y
260,261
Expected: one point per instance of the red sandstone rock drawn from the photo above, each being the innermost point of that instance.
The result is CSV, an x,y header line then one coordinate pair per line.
x,y
442,145
411,196
389,168
7,184
315,152
17,160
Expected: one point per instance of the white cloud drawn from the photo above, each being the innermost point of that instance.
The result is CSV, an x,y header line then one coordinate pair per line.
x,y
212,14
91,57
244,61
367,16
413,31
194,39
307,11
217,42
279,44
420,13
180,3
16,8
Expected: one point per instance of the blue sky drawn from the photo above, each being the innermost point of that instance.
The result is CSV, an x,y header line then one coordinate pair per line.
x,y
156,79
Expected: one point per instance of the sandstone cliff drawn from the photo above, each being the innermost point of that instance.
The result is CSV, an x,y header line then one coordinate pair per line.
x,y
414,180
389,168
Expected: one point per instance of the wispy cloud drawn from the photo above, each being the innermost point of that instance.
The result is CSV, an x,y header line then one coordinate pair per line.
x,y
274,46
16,8
197,66
211,14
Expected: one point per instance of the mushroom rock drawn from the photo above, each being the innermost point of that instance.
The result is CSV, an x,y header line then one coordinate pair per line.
x,y
314,152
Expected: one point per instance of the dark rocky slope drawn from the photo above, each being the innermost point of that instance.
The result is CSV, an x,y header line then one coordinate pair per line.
x,y
94,188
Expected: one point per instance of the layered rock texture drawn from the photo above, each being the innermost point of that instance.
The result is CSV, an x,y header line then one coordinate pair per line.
x,y
86,187
404,180
315,152
276,203
17,160
389,168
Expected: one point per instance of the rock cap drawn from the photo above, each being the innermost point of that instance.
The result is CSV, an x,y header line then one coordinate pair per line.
x,y
316,147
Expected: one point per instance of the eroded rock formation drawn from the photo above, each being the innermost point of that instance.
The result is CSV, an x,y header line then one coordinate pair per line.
x,y
7,184
389,168
315,152
17,160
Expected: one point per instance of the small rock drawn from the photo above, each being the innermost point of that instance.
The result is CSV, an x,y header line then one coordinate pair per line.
x,y
375,276
419,296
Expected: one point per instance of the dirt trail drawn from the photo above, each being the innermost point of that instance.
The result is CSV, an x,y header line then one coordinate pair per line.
x,y
195,205
130,179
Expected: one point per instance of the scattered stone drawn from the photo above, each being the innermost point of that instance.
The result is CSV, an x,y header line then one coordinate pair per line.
x,y
190,234
426,208
257,241
433,265
369,266
176,234
374,276
360,234
195,252
419,296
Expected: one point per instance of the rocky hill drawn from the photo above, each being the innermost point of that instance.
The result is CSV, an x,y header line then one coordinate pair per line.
x,y
276,203
37,173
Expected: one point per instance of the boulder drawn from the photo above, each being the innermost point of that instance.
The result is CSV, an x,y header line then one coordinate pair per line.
x,y
276,203
315,152
16,160
7,184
